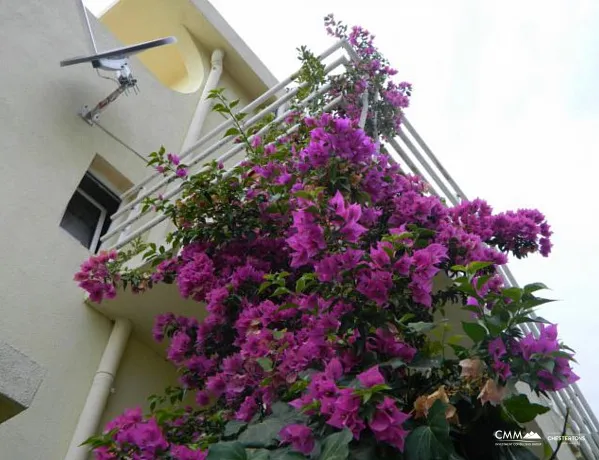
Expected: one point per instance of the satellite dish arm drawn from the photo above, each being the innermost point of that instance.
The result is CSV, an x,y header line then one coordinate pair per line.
x,y
92,116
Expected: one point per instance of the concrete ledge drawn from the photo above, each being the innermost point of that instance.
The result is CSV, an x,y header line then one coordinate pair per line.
x,y
20,377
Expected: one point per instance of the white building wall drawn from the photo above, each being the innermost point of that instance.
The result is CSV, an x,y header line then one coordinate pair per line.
x,y
45,149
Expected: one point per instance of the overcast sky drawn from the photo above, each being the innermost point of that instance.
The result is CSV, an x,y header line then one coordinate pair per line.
x,y
505,94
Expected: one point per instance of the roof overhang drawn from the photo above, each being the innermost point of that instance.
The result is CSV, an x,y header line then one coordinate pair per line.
x,y
199,29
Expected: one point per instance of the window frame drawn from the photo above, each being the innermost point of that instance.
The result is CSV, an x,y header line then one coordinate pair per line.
x,y
99,197
93,246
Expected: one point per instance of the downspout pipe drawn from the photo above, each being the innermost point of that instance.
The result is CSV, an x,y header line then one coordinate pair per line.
x,y
97,397
205,104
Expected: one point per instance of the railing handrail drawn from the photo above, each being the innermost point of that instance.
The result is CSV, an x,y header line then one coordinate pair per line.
x,y
160,218
251,106
342,60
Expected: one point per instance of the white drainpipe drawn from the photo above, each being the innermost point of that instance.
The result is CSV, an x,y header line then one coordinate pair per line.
x,y
95,403
158,233
203,108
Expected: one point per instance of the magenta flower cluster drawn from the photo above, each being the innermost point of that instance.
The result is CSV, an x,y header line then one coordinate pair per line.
x,y
143,439
171,163
372,74
341,406
96,278
543,354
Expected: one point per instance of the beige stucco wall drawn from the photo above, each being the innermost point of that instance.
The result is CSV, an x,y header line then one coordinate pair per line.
x,y
45,150
142,373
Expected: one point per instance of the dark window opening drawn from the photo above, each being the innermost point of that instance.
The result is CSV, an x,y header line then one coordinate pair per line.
x,y
87,217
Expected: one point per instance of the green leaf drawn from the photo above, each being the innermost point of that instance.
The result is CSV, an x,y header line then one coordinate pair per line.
x,y
528,319
300,285
286,454
265,433
336,446
475,331
480,282
231,132
460,351
394,363
226,451
233,428
513,293
522,410
281,290
363,452
533,287
463,285
432,441
458,268
303,194
563,354
287,306
474,267
261,454
265,285
265,363
282,410
548,365
407,317
535,302
421,326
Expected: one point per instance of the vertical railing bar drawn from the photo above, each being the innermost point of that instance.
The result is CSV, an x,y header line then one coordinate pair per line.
x,y
134,213
364,113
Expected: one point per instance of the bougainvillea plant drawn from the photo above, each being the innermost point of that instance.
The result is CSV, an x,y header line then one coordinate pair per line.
x,y
347,312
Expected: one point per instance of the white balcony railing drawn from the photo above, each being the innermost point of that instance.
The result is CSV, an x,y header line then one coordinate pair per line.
x,y
416,157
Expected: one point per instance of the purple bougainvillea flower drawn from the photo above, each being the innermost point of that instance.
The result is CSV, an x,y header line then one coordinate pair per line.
x,y
299,436
387,422
371,377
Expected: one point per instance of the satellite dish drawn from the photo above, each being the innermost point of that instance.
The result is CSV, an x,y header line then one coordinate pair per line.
x,y
99,60
116,60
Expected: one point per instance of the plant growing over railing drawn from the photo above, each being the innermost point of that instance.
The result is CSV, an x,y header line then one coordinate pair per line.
x,y
332,282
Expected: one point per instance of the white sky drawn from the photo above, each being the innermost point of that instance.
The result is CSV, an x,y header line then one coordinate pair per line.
x,y
505,94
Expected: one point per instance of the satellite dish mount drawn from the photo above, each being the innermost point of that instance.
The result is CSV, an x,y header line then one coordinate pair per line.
x,y
116,61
